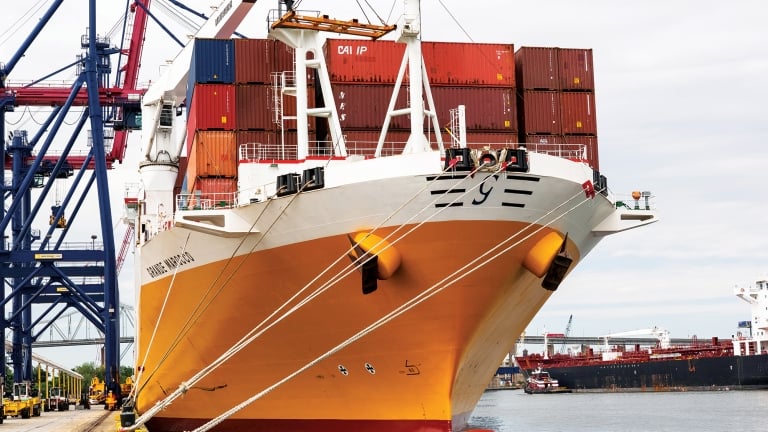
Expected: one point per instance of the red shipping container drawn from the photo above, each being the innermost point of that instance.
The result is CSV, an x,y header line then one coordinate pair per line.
x,y
578,110
447,63
255,107
213,192
266,145
363,61
364,142
480,140
540,113
588,145
541,139
213,153
213,107
537,68
364,106
257,59
487,108
575,69
469,64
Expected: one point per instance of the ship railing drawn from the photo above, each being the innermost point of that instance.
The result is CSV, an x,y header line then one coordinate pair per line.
x,y
206,201
645,201
577,152
257,152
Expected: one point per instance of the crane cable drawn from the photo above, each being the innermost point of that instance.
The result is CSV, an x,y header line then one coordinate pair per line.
x,y
420,298
21,21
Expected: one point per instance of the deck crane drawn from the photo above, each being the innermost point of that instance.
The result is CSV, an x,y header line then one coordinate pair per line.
x,y
41,269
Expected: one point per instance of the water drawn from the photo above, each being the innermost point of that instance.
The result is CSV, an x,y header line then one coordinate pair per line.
x,y
513,410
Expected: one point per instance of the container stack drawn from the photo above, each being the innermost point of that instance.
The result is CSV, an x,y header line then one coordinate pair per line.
x,y
265,114
479,76
212,120
557,101
232,100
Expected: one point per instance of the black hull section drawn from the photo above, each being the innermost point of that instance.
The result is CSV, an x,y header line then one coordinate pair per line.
x,y
710,373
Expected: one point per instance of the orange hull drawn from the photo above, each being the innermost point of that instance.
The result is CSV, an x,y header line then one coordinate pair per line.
x,y
430,364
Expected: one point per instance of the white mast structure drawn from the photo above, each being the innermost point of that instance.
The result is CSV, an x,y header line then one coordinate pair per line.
x,y
408,32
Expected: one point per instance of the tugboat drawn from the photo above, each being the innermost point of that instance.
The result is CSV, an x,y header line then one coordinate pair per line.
x,y
539,381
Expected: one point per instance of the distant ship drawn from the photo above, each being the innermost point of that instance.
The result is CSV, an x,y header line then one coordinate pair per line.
x,y
737,364
340,289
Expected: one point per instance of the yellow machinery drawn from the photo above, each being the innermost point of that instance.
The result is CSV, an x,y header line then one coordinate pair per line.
x,y
23,403
110,402
96,393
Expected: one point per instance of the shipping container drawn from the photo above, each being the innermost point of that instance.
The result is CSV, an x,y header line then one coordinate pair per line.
x,y
575,69
213,61
486,108
213,153
447,63
211,193
258,59
588,144
469,64
540,113
267,145
213,107
364,142
363,61
480,140
537,68
364,106
578,110
255,107
541,139
574,147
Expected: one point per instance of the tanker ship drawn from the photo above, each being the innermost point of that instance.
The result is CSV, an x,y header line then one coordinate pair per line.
x,y
344,287
740,363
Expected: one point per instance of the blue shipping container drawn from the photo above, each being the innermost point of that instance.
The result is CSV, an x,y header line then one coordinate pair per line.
x,y
213,61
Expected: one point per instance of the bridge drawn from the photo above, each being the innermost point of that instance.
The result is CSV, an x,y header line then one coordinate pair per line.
x,y
72,329
600,341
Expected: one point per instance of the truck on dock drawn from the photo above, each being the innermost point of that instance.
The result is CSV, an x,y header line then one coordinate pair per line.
x,y
24,402
57,400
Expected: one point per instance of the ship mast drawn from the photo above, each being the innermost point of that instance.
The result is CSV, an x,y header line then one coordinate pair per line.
x,y
409,33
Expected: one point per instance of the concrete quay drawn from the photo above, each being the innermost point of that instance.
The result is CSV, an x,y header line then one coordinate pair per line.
x,y
96,419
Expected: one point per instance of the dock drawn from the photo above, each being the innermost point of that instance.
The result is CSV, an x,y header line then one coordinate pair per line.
x,y
74,420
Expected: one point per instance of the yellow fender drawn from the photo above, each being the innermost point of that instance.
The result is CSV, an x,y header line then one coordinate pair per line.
x,y
388,257
540,256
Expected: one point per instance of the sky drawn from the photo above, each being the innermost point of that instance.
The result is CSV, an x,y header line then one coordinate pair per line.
x,y
680,93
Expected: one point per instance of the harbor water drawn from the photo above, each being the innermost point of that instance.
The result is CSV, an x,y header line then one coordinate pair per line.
x,y
513,410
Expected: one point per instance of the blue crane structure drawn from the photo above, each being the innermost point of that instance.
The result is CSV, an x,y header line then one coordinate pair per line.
x,y
48,270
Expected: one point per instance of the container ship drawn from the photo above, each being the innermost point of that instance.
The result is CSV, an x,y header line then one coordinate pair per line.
x,y
740,363
330,256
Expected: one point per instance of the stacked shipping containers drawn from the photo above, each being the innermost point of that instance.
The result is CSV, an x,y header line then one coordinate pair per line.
x,y
262,108
541,96
212,120
479,76
556,97
231,101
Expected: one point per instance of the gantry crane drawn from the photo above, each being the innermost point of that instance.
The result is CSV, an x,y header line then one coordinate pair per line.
x,y
50,269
